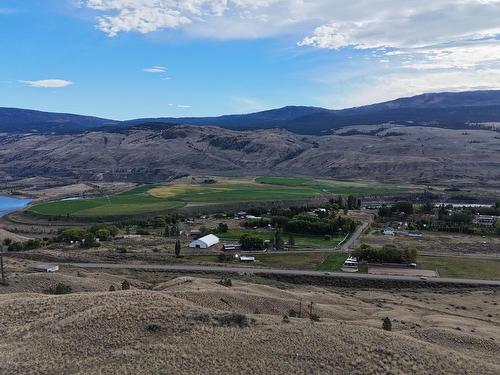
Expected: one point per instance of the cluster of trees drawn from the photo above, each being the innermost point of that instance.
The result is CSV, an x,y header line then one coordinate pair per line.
x,y
31,244
352,202
386,254
88,237
493,211
397,208
171,230
305,224
249,243
443,218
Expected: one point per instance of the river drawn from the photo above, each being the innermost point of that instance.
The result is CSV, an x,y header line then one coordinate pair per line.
x,y
10,204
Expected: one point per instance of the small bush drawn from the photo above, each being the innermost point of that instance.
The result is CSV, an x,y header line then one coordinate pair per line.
x,y
125,285
222,257
153,327
226,281
60,288
387,324
293,313
314,317
286,319
232,320
112,288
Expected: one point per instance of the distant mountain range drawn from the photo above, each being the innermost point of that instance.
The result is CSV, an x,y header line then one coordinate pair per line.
x,y
445,110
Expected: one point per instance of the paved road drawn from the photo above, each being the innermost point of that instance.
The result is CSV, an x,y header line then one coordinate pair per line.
x,y
253,270
359,230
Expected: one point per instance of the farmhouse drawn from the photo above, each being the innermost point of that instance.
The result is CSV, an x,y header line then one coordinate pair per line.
x,y
204,242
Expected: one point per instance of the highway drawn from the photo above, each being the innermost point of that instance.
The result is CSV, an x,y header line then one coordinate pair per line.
x,y
274,271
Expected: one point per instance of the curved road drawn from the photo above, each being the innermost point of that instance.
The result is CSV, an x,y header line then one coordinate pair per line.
x,y
273,271
359,230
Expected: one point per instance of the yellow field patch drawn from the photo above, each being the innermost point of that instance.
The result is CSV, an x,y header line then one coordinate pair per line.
x,y
171,191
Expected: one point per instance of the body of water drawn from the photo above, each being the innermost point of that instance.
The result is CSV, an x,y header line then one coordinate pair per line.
x,y
10,204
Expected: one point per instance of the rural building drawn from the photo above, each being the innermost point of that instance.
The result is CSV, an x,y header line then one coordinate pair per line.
x,y
252,217
389,231
486,220
194,232
415,233
231,246
204,242
45,267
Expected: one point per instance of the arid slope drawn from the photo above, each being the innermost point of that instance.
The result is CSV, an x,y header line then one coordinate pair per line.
x,y
182,327
414,154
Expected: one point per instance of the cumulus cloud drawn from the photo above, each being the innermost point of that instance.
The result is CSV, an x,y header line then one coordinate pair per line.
x,y
155,69
427,41
339,23
47,83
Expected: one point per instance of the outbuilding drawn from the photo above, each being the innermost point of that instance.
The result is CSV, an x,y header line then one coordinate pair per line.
x,y
45,267
204,242
231,246
389,231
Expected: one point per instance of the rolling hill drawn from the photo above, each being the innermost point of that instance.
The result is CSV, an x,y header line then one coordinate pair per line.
x,y
445,110
15,120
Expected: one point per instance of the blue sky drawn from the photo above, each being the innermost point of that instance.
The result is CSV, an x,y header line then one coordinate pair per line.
x,y
124,59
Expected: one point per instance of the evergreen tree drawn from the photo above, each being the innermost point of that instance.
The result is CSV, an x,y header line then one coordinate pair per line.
x,y
387,324
177,248
278,240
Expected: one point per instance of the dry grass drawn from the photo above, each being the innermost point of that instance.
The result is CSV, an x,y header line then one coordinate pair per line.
x,y
180,327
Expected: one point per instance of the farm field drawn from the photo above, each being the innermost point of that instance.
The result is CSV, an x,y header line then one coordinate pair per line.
x,y
154,198
472,268
333,262
135,201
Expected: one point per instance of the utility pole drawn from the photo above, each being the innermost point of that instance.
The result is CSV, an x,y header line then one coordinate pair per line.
x,y
4,282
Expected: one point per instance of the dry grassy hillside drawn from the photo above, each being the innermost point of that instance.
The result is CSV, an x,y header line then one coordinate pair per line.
x,y
196,326
416,154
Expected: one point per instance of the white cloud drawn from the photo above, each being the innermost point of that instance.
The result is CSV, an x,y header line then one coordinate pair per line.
x,y
180,106
420,43
396,85
155,69
339,23
48,83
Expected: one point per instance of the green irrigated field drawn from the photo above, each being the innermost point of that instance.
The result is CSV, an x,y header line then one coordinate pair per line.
x,y
133,202
461,267
330,186
333,262
154,198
